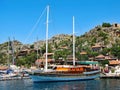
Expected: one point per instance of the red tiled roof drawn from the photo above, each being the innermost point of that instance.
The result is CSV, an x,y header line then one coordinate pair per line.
x,y
96,46
114,62
100,56
110,58
49,53
82,53
65,47
43,60
3,67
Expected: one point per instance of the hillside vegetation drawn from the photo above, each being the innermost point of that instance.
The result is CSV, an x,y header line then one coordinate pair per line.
x,y
105,35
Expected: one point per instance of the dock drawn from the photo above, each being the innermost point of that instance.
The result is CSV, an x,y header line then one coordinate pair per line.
x,y
109,77
13,78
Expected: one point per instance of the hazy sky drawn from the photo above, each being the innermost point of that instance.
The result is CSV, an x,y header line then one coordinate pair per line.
x,y
18,17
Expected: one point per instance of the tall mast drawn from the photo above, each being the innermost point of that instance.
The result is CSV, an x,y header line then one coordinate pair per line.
x,y
8,62
46,64
37,51
73,41
37,48
13,58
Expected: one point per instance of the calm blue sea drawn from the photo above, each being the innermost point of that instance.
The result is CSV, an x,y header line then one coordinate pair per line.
x,y
100,84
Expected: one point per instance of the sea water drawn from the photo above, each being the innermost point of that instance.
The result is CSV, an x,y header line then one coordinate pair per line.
x,y
27,84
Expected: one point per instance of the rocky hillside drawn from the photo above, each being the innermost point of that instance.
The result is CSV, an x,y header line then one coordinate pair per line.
x,y
101,34
57,39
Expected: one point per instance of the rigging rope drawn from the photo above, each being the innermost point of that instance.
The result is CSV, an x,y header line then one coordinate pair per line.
x,y
33,28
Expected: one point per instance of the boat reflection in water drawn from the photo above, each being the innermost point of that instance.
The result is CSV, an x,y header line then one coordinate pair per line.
x,y
75,85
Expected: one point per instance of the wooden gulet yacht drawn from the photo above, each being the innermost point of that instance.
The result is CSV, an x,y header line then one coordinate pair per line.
x,y
64,72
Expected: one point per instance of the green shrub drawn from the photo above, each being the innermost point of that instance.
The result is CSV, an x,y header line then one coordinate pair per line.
x,y
106,25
